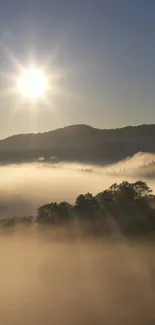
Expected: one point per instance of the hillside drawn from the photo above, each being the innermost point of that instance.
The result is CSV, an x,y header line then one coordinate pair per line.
x,y
79,143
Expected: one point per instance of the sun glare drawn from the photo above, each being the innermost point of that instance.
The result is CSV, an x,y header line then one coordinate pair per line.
x,y
32,83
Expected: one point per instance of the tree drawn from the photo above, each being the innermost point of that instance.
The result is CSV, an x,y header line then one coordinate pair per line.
x,y
141,189
47,213
86,205
64,211
54,213
125,206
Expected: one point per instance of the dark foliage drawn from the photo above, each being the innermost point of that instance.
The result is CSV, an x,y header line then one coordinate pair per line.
x,y
54,213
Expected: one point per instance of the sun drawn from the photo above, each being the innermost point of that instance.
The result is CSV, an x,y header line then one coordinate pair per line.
x,y
32,83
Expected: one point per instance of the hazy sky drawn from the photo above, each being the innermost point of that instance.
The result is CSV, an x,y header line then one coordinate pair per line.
x,y
104,49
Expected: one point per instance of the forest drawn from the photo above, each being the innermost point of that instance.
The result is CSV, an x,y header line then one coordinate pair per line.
x,y
126,209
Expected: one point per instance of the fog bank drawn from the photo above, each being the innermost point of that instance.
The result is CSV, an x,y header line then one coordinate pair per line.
x,y
24,187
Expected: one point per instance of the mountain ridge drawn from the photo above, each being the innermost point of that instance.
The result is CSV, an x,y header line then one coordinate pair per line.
x,y
81,125
79,142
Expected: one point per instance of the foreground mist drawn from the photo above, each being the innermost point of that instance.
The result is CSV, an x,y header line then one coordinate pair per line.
x,y
53,281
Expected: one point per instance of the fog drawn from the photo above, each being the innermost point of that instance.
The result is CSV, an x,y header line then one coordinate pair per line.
x,y
24,187
79,282
48,277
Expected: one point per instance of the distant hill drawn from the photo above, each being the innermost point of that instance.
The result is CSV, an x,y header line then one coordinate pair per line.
x,y
79,143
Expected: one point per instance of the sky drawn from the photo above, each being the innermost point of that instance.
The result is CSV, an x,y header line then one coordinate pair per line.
x,y
103,52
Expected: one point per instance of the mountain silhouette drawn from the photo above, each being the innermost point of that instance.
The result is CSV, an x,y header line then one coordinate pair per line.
x,y
81,143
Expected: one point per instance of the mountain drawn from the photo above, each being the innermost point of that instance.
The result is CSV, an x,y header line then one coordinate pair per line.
x,y
81,143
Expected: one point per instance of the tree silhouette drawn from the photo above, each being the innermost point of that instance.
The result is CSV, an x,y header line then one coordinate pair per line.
x,y
129,207
53,213
48,213
86,206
